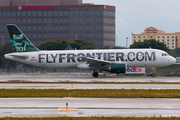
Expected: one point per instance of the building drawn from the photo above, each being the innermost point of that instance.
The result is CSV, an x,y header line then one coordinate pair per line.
x,y
43,20
170,39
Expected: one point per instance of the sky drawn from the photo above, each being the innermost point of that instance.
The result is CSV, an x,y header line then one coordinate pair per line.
x,y
137,15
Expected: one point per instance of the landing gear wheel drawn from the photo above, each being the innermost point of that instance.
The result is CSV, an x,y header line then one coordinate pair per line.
x,y
153,75
95,74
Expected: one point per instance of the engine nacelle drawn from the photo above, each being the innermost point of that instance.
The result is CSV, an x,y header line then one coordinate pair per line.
x,y
116,68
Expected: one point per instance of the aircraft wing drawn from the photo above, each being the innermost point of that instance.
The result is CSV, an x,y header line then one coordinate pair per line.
x,y
94,62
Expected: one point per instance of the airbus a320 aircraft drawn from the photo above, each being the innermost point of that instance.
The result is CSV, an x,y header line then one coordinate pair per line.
x,y
114,61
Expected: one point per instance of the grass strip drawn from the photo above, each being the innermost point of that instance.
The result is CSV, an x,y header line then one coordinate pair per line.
x,y
94,118
102,93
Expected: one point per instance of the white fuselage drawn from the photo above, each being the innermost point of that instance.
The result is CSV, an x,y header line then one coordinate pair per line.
x,y
71,58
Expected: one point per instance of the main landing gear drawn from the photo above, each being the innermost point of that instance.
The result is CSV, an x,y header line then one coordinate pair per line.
x,y
153,71
95,74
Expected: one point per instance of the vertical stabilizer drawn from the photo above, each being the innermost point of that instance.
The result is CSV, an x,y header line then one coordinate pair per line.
x,y
20,43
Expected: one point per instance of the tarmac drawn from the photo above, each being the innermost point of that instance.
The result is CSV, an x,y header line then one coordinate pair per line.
x,y
86,86
87,79
87,107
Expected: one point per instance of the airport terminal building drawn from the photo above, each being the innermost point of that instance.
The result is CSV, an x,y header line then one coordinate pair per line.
x,y
44,20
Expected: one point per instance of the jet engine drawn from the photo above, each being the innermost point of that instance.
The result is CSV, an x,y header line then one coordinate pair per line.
x,y
115,68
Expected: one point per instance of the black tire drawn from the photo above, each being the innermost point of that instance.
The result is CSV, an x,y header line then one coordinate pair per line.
x,y
153,75
95,74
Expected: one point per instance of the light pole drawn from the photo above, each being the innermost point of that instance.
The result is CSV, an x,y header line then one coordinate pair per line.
x,y
127,42
3,40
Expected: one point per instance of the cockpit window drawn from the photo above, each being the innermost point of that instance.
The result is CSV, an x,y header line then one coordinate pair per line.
x,y
164,54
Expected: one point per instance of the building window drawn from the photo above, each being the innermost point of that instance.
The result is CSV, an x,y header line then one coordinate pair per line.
x,y
71,20
28,20
49,20
87,13
163,40
173,40
81,27
71,28
55,28
98,35
71,35
33,20
172,46
44,20
49,28
82,13
87,20
70,13
60,35
162,36
39,28
55,20
92,35
134,36
34,13
87,27
8,20
76,28
29,35
60,28
92,27
28,13
168,40
4,13
18,13
92,13
65,20
44,13
18,20
60,20
39,35
158,37
49,13
82,20
139,40
13,20
172,43
55,35
172,36
28,28
98,13
50,35
76,13
34,28
44,28
151,36
66,28
55,13
98,27
92,20
81,35
76,20
34,35
23,28
167,36
39,13
44,35
134,40
60,13
65,13
13,14
8,13
39,20
97,42
65,35
23,20
39,42
98,20
87,35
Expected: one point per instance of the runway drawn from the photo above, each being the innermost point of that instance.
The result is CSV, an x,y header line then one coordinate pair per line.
x,y
87,79
87,86
86,107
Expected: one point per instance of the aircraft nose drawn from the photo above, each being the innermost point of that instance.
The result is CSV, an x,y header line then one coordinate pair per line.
x,y
173,60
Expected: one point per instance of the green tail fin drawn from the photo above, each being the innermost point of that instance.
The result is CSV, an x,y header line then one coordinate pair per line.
x,y
20,42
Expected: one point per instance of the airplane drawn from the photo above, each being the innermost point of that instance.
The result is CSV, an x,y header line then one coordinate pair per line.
x,y
112,60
